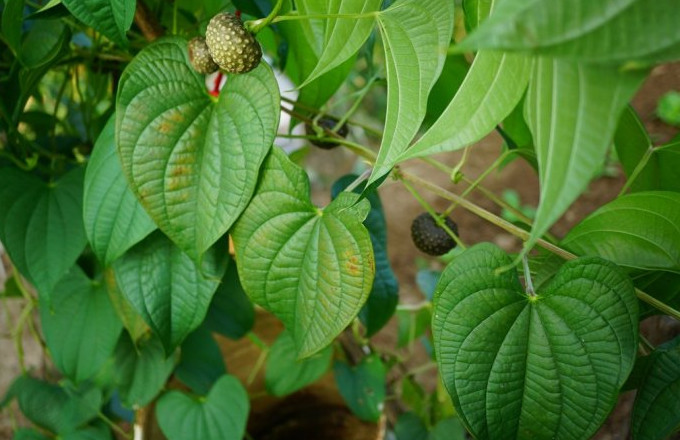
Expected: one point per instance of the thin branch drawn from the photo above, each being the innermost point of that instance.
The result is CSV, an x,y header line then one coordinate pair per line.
x,y
147,22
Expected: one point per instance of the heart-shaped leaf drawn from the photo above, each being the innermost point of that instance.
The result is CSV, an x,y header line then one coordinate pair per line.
x,y
221,415
649,237
114,219
312,268
169,290
41,225
362,386
286,373
58,409
193,163
81,328
541,367
656,414
201,362
43,43
141,370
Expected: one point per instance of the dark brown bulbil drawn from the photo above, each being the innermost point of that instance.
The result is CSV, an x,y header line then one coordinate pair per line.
x,y
199,56
327,123
429,237
232,47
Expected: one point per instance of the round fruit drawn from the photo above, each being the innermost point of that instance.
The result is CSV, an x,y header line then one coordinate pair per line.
x,y
199,56
429,237
327,123
232,47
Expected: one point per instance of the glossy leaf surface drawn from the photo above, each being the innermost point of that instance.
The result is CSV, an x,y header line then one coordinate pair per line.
x,y
312,268
81,327
41,225
114,219
169,290
638,230
222,414
192,163
541,367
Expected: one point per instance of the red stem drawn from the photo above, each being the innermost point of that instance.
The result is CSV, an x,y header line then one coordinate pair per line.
x,y
216,84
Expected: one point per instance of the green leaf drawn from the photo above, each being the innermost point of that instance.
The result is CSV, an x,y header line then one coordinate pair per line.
x,y
668,108
97,432
633,146
193,163
631,140
584,30
303,58
170,291
661,170
132,321
312,268
492,88
384,296
656,412
448,429
114,219
662,285
410,427
112,18
57,409
28,434
201,362
285,374
363,386
335,40
412,325
541,367
476,11
141,370
43,43
230,313
638,230
81,327
12,21
41,225
416,35
517,137
572,110
221,415
453,74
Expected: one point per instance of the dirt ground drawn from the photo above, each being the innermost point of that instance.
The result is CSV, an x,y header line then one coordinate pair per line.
x,y
401,208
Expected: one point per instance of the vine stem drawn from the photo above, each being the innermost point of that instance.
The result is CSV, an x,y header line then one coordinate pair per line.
x,y
483,213
295,16
112,425
638,169
358,149
477,181
256,26
488,216
308,108
524,235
